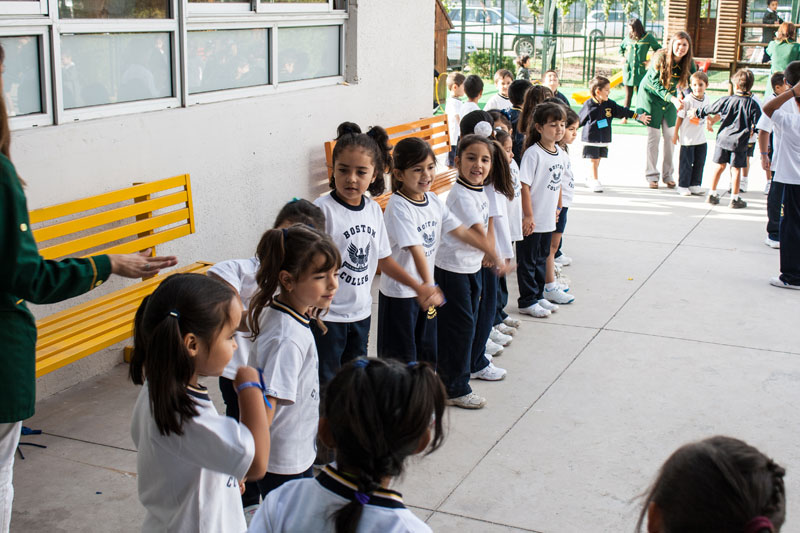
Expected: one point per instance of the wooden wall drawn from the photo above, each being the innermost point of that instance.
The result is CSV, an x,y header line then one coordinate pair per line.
x,y
442,26
729,16
676,14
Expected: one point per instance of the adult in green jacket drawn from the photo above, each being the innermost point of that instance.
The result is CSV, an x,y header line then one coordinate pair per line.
x,y
783,50
658,96
26,276
635,48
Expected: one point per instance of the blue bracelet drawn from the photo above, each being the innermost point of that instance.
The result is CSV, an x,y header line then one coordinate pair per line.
x,y
254,384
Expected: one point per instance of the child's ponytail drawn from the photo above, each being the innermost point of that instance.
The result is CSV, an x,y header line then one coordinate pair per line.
x,y
500,175
270,253
535,96
182,304
384,165
379,412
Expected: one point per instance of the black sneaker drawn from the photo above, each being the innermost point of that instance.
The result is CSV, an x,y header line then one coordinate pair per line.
x,y
712,199
736,203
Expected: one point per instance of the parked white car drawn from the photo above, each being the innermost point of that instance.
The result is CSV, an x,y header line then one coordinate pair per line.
x,y
616,24
454,48
488,19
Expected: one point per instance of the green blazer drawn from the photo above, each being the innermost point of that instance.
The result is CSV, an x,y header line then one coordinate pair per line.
x,y
655,99
635,53
782,53
25,275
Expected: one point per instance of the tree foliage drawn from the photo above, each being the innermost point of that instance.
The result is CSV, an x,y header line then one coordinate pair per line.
x,y
628,6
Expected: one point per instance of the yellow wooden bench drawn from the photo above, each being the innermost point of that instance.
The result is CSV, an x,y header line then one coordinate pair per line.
x,y
433,130
127,220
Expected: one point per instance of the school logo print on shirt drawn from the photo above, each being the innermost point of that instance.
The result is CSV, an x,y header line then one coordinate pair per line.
x,y
359,258
608,112
429,239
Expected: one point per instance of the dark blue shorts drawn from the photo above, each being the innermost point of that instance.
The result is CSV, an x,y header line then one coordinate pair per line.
x,y
735,159
562,220
595,152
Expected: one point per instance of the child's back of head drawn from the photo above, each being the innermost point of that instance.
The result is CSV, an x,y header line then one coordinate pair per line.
x,y
473,86
743,80
535,96
777,81
300,211
517,90
717,485
455,78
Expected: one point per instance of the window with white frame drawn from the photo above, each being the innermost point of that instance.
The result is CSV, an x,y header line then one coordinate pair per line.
x,y
113,57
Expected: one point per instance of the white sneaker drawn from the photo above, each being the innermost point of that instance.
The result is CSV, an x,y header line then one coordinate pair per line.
x,y
563,260
558,296
468,401
550,306
594,185
500,338
512,322
743,184
493,349
684,191
490,373
696,189
778,282
772,244
767,186
535,310
505,330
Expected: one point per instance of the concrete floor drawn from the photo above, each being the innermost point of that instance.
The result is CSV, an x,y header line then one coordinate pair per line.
x,y
675,335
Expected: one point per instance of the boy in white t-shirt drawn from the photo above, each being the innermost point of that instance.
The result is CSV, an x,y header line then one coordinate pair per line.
x,y
784,110
691,131
455,85
500,101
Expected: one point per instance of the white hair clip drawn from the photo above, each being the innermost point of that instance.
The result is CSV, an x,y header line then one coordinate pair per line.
x,y
483,128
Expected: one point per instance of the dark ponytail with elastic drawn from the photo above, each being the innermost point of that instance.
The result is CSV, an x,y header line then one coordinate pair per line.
x,y
375,141
294,250
500,176
182,304
379,412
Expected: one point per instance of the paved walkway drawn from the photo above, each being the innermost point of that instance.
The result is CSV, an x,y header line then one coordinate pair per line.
x,y
675,335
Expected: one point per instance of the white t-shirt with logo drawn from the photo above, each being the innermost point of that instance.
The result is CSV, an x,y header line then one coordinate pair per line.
x,y
412,223
542,171
453,111
693,129
190,482
471,206
307,505
360,236
567,184
515,205
499,102
786,151
286,352
498,212
241,275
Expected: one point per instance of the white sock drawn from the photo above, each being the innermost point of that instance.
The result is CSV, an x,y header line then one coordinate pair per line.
x,y
713,192
734,197
550,286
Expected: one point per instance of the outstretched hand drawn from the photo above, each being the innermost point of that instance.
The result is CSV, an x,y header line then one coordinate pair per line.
x,y
644,118
139,265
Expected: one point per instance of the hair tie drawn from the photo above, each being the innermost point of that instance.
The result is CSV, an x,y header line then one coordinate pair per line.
x,y
483,128
285,232
412,364
361,363
293,200
362,498
174,313
759,524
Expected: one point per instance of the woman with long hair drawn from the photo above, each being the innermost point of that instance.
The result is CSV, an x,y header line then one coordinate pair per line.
x,y
784,49
635,48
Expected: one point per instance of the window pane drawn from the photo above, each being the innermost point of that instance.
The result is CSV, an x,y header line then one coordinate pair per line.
x,y
109,68
308,52
294,1
227,59
113,9
22,79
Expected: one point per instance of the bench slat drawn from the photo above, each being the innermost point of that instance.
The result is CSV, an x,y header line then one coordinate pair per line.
x,y
109,198
115,234
106,217
421,123
84,332
65,357
148,242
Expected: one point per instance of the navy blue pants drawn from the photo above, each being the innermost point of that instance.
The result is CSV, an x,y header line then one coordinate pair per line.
x,y
790,234
532,252
502,300
774,203
405,331
271,482
690,167
487,309
456,328
343,342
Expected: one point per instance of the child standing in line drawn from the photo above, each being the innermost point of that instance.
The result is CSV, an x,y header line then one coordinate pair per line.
x,y
516,95
550,80
473,87
502,80
190,460
533,97
355,223
376,414
691,131
739,114
416,220
554,291
458,271
717,484
543,166
455,84
297,279
240,274
595,118
524,67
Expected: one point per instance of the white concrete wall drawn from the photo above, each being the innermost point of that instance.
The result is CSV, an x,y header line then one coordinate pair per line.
x,y
246,157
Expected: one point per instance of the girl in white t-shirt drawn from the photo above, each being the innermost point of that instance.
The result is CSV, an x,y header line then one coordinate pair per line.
x,y
190,459
415,219
355,223
458,269
241,275
377,413
300,265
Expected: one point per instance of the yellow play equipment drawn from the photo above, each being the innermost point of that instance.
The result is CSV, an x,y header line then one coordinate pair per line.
x,y
581,97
